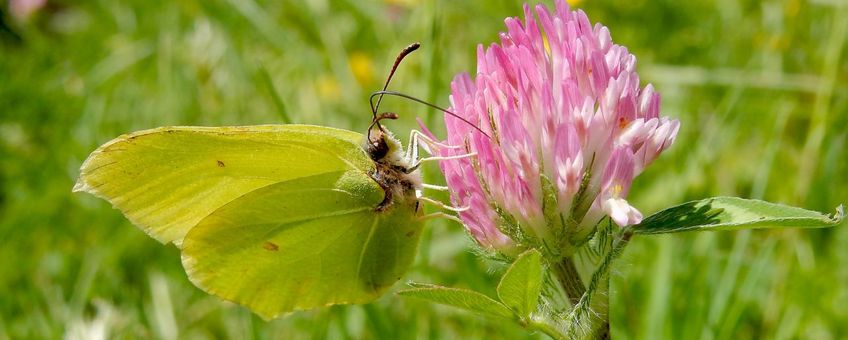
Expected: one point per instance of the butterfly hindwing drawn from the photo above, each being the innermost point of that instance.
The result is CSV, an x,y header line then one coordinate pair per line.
x,y
302,244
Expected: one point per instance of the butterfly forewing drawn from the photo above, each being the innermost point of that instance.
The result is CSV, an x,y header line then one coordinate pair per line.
x,y
166,180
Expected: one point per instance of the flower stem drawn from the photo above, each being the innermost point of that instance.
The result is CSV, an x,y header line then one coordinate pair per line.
x,y
600,277
615,252
568,277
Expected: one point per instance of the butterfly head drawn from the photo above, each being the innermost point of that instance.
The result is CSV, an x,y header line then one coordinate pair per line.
x,y
381,143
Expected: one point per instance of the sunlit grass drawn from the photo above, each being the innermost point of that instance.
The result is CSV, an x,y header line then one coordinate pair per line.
x,y
759,88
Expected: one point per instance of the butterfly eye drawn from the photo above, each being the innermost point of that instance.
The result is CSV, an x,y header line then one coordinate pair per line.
x,y
377,147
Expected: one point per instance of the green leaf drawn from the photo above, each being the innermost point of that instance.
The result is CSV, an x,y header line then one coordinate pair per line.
x,y
461,298
521,285
733,213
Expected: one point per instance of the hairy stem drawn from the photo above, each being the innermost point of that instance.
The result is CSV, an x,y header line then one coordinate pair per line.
x,y
601,276
568,277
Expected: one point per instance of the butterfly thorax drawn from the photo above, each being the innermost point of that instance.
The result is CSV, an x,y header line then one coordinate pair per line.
x,y
392,171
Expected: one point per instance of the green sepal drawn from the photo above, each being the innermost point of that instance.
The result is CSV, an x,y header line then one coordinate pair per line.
x,y
521,285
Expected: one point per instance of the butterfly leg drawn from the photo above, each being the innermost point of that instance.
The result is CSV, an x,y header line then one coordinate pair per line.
x,y
440,215
438,158
442,205
417,138
434,187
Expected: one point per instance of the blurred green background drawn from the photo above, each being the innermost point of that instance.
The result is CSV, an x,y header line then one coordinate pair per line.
x,y
759,86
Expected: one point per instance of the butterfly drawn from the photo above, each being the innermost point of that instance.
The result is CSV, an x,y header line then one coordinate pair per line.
x,y
276,218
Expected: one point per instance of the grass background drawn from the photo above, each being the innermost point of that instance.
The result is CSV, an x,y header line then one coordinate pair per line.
x,y
759,86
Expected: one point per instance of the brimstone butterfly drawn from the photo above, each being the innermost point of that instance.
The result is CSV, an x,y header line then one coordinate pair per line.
x,y
274,217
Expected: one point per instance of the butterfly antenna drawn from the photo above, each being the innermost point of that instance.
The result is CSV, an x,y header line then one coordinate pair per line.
x,y
380,94
406,51
375,120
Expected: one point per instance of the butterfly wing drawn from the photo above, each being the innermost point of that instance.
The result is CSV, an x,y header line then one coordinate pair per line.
x,y
166,180
301,244
276,218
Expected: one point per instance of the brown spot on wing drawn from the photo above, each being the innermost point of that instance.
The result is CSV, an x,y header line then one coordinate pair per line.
x,y
270,246
221,164
410,233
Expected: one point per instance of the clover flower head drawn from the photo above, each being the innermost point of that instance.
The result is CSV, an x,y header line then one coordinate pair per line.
x,y
568,129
